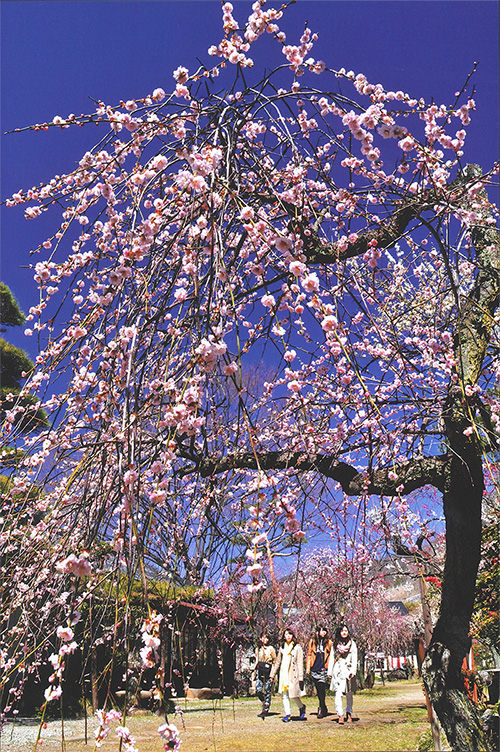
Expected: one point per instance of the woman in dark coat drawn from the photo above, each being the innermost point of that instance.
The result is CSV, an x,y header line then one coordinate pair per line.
x,y
318,653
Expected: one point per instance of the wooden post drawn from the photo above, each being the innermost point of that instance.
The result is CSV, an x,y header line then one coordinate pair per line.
x,y
279,604
93,663
94,678
85,714
160,674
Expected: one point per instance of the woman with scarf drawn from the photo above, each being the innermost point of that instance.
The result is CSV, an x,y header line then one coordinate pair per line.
x,y
318,654
342,667
290,663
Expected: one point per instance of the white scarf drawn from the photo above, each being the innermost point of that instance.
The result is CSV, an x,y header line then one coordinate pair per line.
x,y
286,662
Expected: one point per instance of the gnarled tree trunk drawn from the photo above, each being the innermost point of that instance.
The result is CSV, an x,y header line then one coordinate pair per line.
x,y
450,641
463,494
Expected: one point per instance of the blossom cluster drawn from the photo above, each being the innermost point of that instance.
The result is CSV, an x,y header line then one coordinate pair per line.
x,y
105,718
171,736
80,566
296,54
57,661
234,47
150,632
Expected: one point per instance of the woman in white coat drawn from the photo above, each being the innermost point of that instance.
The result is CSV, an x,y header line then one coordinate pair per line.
x,y
290,664
342,667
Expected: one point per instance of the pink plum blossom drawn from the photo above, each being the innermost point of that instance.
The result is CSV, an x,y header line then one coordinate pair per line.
x,y
170,734
268,301
65,634
310,282
181,74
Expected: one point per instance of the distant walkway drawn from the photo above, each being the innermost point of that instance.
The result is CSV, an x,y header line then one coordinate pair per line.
x,y
386,719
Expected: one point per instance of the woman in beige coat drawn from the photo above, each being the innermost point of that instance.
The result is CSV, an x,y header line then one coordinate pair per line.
x,y
265,658
290,664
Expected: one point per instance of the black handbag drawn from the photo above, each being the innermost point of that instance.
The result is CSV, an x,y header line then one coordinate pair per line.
x,y
263,669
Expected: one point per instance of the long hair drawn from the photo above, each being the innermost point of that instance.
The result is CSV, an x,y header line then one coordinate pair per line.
x,y
294,639
317,636
264,633
338,636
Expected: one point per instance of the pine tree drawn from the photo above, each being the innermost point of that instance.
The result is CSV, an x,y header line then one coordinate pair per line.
x,y
14,362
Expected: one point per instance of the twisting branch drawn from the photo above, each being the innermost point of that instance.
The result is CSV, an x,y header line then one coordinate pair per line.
x,y
386,235
403,477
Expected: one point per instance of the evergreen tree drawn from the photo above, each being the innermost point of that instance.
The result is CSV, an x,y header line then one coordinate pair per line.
x,y
14,362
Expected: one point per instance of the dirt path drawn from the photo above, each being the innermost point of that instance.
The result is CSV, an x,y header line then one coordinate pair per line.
x,y
389,718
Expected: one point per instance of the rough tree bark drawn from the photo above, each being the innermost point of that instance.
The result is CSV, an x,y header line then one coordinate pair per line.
x,y
458,473
462,499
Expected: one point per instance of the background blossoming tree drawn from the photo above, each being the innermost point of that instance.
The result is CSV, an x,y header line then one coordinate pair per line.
x,y
334,234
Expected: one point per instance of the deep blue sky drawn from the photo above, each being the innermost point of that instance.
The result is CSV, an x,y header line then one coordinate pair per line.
x,y
57,54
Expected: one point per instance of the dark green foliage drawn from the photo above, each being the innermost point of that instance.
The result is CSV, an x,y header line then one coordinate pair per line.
x,y
15,364
10,313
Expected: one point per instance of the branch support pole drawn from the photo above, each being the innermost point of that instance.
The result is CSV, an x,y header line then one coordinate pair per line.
x,y
279,601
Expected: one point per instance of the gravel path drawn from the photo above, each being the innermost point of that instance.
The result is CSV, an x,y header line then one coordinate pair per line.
x,y
23,733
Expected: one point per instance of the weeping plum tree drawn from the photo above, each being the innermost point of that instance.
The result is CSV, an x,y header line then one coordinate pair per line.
x,y
334,234
330,588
